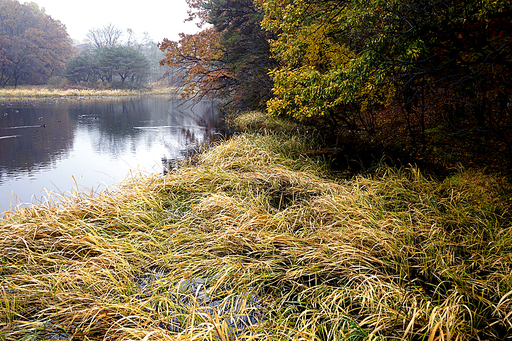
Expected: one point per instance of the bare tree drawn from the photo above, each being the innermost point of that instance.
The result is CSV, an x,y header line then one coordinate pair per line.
x,y
138,41
107,36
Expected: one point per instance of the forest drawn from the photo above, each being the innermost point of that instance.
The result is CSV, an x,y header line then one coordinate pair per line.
x,y
420,81
33,46
424,81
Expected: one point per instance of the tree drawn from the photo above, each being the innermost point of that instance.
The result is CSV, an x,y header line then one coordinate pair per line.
x,y
108,64
107,36
34,48
123,61
143,44
230,58
449,53
246,49
138,42
343,58
4,42
82,69
405,73
198,56
110,60
315,77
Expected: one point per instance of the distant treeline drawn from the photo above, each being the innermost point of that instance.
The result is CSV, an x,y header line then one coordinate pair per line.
x,y
36,49
108,59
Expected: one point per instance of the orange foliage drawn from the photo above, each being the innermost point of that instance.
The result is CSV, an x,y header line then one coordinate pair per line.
x,y
196,54
33,46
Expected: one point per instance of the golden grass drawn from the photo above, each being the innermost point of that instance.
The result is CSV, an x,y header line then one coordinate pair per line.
x,y
259,229
38,92
258,121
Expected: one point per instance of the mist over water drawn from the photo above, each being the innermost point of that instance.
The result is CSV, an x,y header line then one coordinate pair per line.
x,y
93,144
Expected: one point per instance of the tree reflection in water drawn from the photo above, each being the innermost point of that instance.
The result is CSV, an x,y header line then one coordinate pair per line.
x,y
93,144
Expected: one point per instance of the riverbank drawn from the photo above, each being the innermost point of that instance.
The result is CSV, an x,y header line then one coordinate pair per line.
x,y
43,92
255,240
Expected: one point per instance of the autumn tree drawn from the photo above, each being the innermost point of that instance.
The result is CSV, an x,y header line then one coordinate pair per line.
x,y
420,66
342,52
228,58
312,79
456,55
34,46
197,55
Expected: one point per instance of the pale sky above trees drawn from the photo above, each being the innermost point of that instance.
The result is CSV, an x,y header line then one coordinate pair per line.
x,y
160,18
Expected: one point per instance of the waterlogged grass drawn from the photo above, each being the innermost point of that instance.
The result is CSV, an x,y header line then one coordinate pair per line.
x,y
260,230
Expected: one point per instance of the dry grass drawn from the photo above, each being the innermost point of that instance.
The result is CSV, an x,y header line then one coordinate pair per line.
x,y
260,229
38,92
258,121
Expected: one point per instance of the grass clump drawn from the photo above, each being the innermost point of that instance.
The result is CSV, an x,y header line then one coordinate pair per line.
x,y
258,121
256,242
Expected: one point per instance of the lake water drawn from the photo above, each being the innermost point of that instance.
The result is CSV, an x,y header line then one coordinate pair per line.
x,y
92,144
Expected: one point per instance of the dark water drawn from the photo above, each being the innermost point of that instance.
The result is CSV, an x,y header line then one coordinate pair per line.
x,y
93,144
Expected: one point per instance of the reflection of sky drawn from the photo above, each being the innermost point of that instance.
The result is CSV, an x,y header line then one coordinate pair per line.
x,y
98,159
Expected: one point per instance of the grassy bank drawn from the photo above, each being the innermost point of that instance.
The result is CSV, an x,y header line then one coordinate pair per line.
x,y
255,241
42,92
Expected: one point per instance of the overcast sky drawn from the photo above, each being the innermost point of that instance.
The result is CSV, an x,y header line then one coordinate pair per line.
x,y
160,18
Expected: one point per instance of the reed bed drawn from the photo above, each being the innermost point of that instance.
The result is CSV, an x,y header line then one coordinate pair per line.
x,y
45,92
254,241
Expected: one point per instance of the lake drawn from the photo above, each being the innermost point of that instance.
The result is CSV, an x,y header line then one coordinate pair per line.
x,y
90,145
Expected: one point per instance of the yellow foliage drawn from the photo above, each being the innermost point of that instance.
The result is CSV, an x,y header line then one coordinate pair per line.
x,y
317,72
372,95
322,49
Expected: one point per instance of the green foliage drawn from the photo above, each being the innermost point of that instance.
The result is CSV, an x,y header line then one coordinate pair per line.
x,y
108,64
321,74
340,58
81,69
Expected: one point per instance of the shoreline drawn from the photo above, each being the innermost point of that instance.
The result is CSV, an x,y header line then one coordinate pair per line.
x,y
251,235
44,93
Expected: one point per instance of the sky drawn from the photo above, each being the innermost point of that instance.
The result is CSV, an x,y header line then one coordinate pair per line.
x,y
160,18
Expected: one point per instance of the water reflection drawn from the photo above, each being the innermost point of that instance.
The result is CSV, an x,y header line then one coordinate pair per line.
x,y
94,143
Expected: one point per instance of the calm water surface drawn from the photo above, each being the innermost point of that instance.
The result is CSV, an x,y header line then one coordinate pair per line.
x,y
90,145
